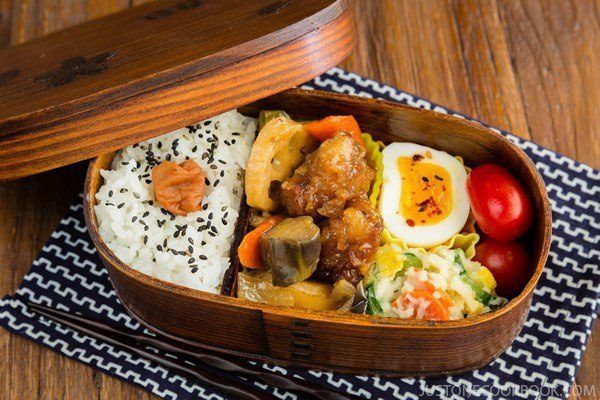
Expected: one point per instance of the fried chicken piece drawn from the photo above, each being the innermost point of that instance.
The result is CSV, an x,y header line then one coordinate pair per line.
x,y
349,242
330,176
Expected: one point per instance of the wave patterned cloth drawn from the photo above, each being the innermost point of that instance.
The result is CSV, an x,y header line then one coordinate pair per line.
x,y
541,363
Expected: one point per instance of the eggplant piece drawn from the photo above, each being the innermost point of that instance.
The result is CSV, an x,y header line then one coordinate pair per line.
x,y
290,250
360,303
343,292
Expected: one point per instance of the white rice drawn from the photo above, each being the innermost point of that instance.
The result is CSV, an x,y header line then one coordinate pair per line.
x,y
153,241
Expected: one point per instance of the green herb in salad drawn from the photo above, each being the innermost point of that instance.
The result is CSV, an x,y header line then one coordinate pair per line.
x,y
411,260
481,295
374,306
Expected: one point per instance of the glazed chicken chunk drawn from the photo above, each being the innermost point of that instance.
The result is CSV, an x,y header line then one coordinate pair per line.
x,y
349,242
331,176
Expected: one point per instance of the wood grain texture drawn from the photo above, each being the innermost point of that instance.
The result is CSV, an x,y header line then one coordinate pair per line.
x,y
515,35
71,95
268,333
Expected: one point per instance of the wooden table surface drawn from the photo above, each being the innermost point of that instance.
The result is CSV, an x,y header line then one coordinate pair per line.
x,y
531,67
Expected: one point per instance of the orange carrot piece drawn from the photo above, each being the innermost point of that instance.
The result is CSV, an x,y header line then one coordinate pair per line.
x,y
437,310
249,250
327,127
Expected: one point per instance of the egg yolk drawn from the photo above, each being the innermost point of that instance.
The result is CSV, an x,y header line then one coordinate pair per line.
x,y
426,197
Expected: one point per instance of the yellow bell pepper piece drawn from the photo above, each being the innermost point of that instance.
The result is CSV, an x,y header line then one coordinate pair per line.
x,y
487,278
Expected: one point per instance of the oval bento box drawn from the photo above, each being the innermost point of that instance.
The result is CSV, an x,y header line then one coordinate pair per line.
x,y
337,341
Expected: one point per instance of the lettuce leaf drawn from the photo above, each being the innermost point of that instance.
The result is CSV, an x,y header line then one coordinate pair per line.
x,y
376,160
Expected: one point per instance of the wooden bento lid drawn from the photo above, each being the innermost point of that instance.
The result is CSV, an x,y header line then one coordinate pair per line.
x,y
115,81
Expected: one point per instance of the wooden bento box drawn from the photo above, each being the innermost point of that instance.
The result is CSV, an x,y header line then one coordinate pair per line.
x,y
332,340
164,67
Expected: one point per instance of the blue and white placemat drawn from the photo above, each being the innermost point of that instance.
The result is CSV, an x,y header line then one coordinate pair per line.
x,y
541,363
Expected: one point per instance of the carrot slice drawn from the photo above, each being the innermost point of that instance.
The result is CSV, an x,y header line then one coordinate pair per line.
x,y
327,127
437,310
249,250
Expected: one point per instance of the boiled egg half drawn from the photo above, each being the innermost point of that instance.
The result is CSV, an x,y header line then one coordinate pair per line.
x,y
424,200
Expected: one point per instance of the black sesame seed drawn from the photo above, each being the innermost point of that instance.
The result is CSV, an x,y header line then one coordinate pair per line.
x,y
205,206
110,193
165,243
227,142
222,174
194,270
212,234
159,145
217,182
134,218
148,181
181,253
213,166
191,241
159,247
203,243
223,221
146,214
146,228
424,179
439,178
203,257
210,215
174,252
191,249
206,181
172,217
223,208
121,205
191,260
137,196
194,149
123,190
214,229
145,239
165,212
176,234
221,161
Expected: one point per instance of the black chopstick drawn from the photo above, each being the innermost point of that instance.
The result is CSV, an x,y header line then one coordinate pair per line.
x,y
200,372
200,357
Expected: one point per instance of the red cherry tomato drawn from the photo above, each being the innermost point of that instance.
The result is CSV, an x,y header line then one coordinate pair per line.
x,y
507,261
501,206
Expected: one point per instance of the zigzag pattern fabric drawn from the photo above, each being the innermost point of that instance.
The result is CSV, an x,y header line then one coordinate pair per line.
x,y
541,363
